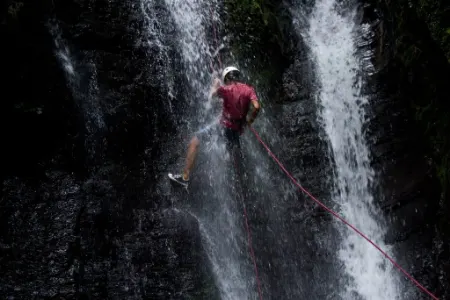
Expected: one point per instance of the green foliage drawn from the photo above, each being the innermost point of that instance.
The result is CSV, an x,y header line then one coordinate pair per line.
x,y
443,171
14,8
422,29
257,39
435,123
254,24
436,14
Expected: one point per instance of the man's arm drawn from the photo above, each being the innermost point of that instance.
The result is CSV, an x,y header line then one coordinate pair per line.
x,y
254,110
215,87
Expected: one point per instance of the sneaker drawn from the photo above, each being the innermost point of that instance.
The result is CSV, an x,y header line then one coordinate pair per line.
x,y
178,178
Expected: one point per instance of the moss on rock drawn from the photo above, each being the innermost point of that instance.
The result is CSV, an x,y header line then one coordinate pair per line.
x,y
420,53
258,39
413,58
436,14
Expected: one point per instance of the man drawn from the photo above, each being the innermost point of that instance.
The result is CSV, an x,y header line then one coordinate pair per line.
x,y
236,112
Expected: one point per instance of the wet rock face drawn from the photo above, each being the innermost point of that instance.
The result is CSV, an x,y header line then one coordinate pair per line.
x,y
408,139
88,240
79,211
80,215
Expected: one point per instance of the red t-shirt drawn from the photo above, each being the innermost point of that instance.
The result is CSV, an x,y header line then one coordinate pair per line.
x,y
236,103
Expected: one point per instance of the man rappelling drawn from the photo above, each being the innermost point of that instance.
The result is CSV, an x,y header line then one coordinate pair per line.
x,y
240,107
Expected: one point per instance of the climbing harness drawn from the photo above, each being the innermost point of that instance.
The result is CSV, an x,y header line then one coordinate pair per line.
x,y
252,252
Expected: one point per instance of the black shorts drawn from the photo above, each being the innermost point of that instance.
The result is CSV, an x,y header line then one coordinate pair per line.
x,y
230,136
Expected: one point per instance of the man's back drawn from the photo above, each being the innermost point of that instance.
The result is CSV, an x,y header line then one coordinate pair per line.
x,y
236,103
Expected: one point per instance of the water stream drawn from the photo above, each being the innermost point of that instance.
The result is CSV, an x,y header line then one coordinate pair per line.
x,y
333,35
211,203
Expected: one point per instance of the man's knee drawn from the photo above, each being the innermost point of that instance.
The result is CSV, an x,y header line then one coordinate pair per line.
x,y
195,142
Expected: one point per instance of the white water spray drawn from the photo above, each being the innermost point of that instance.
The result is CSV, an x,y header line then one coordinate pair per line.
x,y
332,37
154,38
86,97
221,232
192,18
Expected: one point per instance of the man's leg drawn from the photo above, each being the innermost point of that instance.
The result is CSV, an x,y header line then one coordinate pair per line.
x,y
234,147
183,178
190,158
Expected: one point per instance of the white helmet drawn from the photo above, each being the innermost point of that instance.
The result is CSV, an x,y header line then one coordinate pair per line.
x,y
228,70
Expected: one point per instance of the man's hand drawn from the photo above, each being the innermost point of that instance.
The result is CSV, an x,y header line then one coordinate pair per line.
x,y
255,107
215,86
216,82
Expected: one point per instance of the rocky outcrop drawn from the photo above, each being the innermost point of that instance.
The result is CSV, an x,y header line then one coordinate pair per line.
x,y
81,216
96,239
409,133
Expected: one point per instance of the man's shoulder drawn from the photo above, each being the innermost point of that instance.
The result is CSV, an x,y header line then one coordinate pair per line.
x,y
249,90
245,86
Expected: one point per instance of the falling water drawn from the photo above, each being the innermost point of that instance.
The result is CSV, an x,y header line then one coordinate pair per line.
x,y
83,85
154,33
332,37
192,19
218,220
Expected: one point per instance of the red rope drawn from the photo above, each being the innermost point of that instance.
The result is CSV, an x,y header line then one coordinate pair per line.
x,y
247,227
252,253
340,218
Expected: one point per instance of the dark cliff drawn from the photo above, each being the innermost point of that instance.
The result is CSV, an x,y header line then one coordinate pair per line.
x,y
80,214
410,131
80,217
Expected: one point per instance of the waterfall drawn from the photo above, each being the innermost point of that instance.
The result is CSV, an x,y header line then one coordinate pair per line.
x,y
193,21
332,37
211,203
